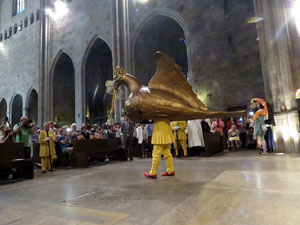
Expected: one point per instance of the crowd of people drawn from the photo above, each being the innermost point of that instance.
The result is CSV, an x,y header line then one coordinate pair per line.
x,y
238,132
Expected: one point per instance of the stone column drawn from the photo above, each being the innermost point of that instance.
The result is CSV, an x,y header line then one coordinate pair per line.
x,y
79,103
121,46
25,111
277,44
44,100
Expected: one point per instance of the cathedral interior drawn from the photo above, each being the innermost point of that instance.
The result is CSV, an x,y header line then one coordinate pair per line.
x,y
56,57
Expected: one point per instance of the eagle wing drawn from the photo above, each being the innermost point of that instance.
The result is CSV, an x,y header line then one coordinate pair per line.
x,y
169,78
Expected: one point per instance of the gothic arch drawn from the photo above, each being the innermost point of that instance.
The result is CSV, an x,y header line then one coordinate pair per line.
x,y
97,68
3,109
176,17
16,108
62,88
31,105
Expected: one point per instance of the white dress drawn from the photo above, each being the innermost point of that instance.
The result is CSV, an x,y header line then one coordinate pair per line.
x,y
195,134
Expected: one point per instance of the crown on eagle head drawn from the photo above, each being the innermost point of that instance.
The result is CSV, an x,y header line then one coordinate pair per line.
x,y
119,71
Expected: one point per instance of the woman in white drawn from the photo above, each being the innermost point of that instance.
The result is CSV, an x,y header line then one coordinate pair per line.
x,y
142,136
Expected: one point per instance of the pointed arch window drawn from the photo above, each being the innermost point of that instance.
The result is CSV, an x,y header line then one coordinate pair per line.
x,y
19,6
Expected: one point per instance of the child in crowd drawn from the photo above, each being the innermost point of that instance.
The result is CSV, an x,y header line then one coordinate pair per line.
x,y
233,137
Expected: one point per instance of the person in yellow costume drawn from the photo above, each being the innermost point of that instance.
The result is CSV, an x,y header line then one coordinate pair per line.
x,y
46,139
161,139
179,128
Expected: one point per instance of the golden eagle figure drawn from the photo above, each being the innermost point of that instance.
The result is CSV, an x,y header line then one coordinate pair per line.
x,y
167,96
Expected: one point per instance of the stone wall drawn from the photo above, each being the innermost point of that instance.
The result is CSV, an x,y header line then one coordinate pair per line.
x,y
223,52
19,54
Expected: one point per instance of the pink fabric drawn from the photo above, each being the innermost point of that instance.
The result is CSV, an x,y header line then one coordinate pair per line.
x,y
218,126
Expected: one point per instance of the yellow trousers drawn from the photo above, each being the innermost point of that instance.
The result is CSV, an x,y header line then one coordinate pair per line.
x,y
183,145
45,163
159,150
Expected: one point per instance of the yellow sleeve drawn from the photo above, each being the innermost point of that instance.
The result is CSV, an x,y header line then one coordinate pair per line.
x,y
173,125
183,125
42,137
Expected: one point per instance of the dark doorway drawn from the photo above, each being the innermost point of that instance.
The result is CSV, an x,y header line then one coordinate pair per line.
x,y
3,109
98,69
17,107
33,106
159,34
64,91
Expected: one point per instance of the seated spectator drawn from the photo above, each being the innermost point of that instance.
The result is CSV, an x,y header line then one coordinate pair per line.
x,y
64,140
117,130
74,131
98,134
233,137
84,132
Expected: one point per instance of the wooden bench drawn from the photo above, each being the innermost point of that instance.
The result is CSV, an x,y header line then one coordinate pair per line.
x,y
97,149
213,144
12,161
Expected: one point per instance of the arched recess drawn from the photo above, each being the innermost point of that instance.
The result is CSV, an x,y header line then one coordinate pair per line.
x,y
160,33
63,89
32,105
97,69
3,109
16,109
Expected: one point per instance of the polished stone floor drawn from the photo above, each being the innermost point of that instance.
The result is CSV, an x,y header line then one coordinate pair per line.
x,y
240,188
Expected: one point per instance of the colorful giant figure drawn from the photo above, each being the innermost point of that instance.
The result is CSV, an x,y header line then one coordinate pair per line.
x,y
261,114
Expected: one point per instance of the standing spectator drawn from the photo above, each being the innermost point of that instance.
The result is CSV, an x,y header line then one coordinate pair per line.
x,y
149,128
231,122
35,135
8,136
142,136
127,129
23,131
250,141
243,130
205,126
46,139
218,126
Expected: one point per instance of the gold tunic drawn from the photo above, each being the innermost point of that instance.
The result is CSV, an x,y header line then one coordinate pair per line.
x,y
162,133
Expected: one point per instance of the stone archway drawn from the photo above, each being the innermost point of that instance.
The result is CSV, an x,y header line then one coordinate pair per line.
x,y
63,90
32,106
3,109
16,109
98,69
160,33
